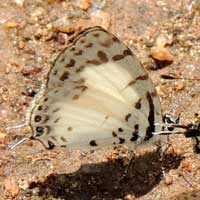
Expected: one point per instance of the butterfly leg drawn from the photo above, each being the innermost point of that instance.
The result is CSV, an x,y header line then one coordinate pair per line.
x,y
163,147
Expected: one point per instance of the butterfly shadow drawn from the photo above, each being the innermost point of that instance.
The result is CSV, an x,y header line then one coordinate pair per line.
x,y
107,180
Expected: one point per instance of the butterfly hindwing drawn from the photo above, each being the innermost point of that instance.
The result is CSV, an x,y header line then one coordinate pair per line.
x,y
97,93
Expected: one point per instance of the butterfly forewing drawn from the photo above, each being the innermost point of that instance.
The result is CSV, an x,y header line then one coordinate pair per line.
x,y
97,93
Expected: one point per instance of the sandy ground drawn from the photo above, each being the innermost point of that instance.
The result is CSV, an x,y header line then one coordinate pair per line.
x,y
32,33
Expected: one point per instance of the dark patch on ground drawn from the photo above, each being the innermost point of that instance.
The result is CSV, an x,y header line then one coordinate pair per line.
x,y
108,180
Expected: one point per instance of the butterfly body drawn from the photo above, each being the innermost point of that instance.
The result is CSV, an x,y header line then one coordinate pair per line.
x,y
97,93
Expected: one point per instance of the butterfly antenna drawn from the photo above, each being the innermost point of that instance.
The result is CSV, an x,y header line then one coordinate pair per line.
x,y
15,127
11,147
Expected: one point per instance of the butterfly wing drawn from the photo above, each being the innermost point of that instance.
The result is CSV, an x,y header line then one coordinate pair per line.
x,y
97,93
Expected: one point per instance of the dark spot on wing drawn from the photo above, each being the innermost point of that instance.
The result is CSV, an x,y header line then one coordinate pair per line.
x,y
93,143
144,77
82,80
114,134
96,34
38,118
120,130
138,104
151,128
81,87
40,108
116,40
53,138
39,131
131,83
102,56
127,117
44,108
72,49
121,140
64,76
71,63
55,110
56,120
69,128
45,118
78,53
135,134
80,69
75,97
94,62
127,52
136,126
117,57
62,59
51,145
89,45
46,99
55,72
63,139
106,43
134,137
82,41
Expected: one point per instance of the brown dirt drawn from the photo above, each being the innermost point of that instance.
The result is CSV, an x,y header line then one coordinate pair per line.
x,y
32,34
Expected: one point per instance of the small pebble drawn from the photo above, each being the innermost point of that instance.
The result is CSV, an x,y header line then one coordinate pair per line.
x,y
168,180
30,69
161,54
4,139
84,4
129,197
38,12
180,86
63,25
186,165
161,41
11,186
101,18
19,2
62,38
21,45
11,25
23,184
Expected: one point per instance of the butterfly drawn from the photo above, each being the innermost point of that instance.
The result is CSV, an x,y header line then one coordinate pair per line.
x,y
97,93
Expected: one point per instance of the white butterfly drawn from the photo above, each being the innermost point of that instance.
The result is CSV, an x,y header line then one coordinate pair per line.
x,y
97,93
